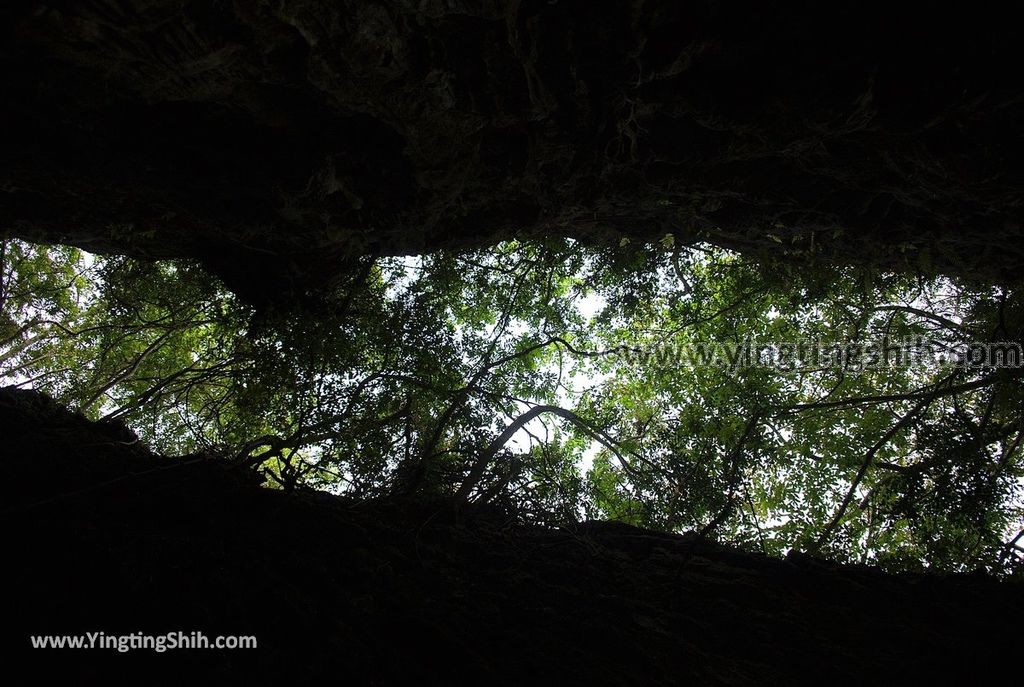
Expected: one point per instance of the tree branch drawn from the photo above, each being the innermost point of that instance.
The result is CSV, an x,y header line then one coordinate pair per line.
x,y
476,472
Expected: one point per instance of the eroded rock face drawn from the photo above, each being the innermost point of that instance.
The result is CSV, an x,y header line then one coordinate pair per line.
x,y
279,141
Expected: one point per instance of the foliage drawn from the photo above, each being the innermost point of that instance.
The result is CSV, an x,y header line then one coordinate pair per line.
x,y
423,375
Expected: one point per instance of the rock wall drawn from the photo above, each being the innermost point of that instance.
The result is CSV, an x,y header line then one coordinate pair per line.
x,y
105,536
279,141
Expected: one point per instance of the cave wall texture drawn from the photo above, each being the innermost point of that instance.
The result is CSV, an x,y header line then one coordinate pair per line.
x,y
279,141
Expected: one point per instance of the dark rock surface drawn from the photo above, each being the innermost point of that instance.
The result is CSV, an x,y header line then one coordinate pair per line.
x,y
279,141
407,593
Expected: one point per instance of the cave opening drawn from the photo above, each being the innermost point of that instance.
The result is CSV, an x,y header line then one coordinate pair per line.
x,y
845,412
441,338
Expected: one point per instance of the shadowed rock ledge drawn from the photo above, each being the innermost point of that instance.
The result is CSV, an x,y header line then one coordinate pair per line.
x,y
104,536
279,142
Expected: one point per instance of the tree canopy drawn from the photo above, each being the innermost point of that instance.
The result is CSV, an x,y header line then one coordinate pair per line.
x,y
676,387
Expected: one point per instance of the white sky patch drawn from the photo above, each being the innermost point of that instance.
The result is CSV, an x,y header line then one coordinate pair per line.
x,y
590,305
